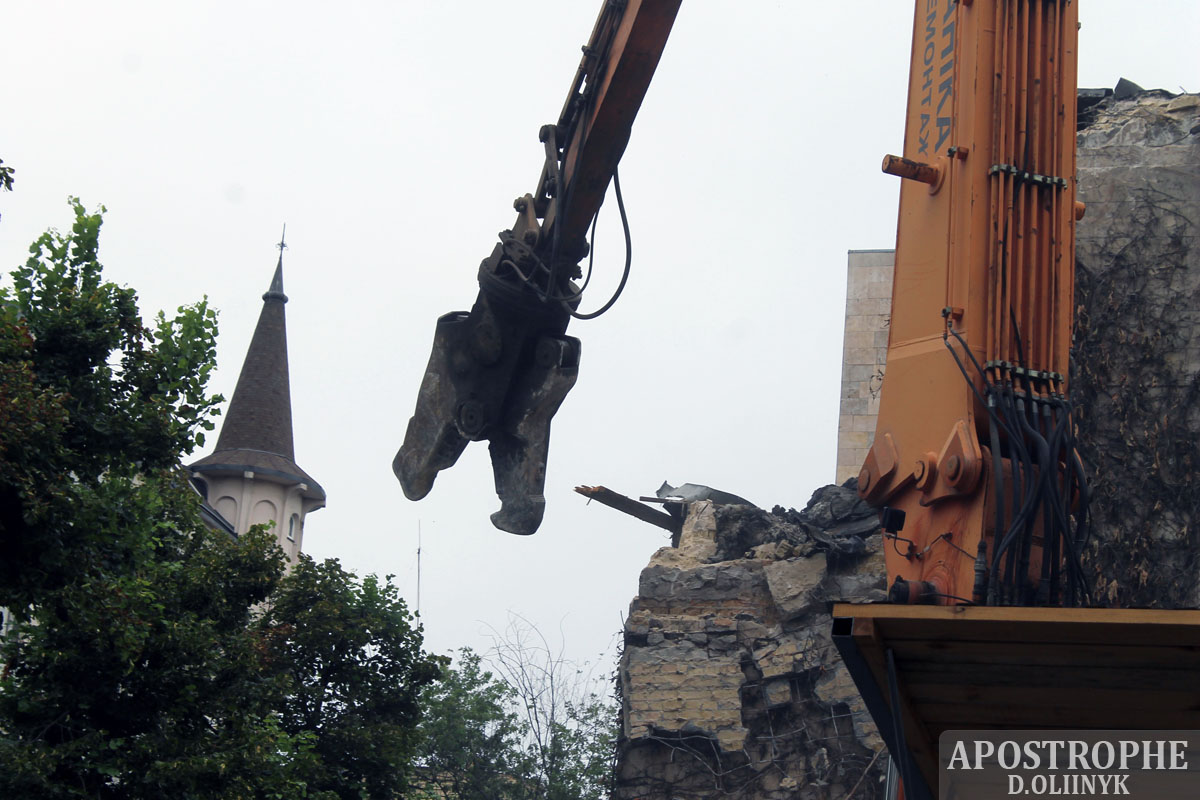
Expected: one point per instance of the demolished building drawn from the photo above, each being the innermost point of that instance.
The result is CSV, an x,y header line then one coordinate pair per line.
x,y
729,682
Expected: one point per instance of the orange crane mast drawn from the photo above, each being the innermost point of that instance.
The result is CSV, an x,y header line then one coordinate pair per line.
x,y
974,445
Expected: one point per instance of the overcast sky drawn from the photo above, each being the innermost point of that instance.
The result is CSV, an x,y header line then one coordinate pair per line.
x,y
392,137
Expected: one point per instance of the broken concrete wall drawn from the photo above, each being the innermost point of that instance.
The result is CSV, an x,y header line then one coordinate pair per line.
x,y
1136,366
730,683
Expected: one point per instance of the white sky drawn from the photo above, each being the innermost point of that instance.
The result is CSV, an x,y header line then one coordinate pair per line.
x,y
392,137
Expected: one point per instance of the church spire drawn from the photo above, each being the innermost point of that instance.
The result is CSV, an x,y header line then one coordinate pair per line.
x,y
256,435
260,414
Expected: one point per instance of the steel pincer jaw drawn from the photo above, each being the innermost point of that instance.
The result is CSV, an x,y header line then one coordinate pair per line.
x,y
433,440
499,372
520,447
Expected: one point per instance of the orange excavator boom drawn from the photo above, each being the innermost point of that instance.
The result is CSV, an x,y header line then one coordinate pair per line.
x,y
973,455
501,370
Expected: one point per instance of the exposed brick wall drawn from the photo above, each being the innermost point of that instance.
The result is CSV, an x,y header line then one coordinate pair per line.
x,y
730,683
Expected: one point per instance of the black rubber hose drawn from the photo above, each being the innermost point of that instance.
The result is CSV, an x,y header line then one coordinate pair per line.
x,y
1013,576
997,474
628,259
1024,501
1044,473
1076,580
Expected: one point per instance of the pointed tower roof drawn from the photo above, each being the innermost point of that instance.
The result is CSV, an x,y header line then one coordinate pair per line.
x,y
256,435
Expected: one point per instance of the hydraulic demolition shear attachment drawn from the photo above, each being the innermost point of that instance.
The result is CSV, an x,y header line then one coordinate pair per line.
x,y
498,372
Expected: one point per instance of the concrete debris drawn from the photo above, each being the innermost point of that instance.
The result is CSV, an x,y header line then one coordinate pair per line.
x,y
729,679
795,583
1125,89
834,521
1085,105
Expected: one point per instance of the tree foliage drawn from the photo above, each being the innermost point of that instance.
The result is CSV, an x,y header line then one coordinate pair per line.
x,y
151,656
354,667
538,729
6,177
472,744
141,682
90,399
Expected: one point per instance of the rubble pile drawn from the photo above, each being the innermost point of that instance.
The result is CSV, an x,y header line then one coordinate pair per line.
x,y
729,681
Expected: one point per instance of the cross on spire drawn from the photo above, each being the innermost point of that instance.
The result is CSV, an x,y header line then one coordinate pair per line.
x,y
276,290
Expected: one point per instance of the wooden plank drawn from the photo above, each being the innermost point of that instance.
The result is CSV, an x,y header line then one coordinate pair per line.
x,y
1121,616
1023,654
1114,700
628,505
1058,632
940,717
1035,625
1084,675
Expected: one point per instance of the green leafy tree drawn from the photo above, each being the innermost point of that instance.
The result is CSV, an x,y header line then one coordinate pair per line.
x,y
149,655
89,397
472,740
540,728
141,682
354,669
